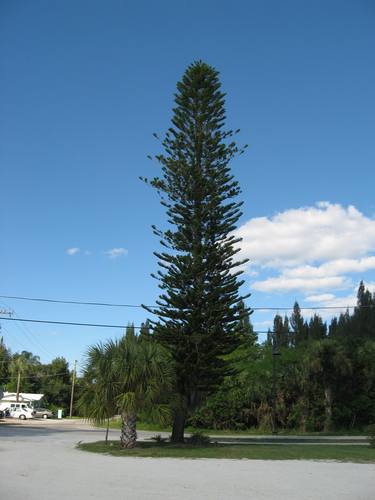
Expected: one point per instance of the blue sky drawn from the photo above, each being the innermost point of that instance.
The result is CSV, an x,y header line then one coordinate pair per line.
x,y
83,86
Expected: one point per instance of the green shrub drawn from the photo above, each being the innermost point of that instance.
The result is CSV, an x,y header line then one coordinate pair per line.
x,y
198,438
371,435
159,439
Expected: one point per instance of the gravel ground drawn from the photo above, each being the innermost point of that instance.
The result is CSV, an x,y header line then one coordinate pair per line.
x,y
39,462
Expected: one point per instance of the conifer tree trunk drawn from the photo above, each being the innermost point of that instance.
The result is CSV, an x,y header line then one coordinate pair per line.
x,y
128,430
178,426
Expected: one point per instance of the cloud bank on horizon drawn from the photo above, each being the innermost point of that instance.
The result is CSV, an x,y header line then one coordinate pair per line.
x,y
317,251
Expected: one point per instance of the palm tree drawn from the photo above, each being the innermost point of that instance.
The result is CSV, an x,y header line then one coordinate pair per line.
x,y
126,376
19,366
144,372
98,399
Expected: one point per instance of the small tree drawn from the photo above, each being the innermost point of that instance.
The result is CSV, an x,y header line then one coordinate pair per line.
x,y
125,377
199,307
99,392
327,360
144,372
5,358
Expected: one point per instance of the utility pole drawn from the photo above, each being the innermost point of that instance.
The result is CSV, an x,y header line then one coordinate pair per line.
x,y
72,394
275,353
5,312
18,385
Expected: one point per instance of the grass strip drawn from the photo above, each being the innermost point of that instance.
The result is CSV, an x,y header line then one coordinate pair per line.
x,y
342,453
145,426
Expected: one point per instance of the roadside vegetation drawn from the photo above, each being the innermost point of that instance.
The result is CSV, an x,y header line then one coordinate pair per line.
x,y
342,453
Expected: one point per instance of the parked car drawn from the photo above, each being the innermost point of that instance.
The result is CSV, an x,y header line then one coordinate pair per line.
x,y
42,413
21,411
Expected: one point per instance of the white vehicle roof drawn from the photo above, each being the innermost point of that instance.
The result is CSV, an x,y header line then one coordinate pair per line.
x,y
24,397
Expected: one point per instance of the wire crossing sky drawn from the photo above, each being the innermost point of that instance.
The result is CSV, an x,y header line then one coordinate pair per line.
x,y
86,84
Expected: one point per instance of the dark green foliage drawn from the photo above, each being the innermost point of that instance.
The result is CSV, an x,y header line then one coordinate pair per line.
x,y
31,370
198,439
5,357
317,330
130,330
371,435
55,384
324,381
200,304
299,327
281,332
144,332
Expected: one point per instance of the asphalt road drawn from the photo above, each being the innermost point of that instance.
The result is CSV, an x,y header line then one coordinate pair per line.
x,y
38,461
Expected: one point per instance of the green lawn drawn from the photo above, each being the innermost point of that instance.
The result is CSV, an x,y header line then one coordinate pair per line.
x,y
145,426
342,453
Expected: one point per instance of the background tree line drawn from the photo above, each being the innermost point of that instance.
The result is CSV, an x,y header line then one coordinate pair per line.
x,y
324,374
53,379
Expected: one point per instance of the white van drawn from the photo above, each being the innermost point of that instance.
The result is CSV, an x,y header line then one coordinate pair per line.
x,y
21,411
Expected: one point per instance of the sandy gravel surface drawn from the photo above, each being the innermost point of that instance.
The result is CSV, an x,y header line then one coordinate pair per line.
x,y
39,462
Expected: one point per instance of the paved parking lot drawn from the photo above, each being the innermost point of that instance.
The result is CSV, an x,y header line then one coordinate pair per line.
x,y
38,461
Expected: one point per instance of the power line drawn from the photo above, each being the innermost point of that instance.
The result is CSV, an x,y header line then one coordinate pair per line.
x,y
76,302
110,304
42,375
31,337
9,361
72,323
14,338
96,325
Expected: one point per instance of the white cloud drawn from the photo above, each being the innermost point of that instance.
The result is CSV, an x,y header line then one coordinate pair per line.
x,y
284,284
309,234
331,300
72,251
312,248
114,253
333,268
324,297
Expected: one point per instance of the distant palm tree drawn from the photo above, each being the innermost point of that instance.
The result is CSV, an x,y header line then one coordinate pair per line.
x,y
19,366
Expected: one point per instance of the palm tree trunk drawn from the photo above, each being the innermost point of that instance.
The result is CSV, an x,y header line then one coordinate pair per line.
x,y
328,408
128,430
106,432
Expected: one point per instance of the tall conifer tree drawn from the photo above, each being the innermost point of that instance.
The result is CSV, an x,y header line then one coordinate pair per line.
x,y
299,326
199,307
